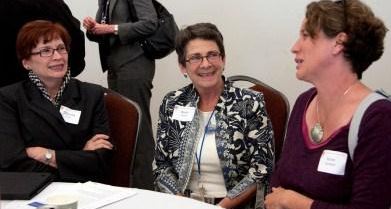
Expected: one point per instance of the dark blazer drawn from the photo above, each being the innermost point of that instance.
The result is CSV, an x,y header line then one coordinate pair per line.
x,y
28,119
117,50
15,13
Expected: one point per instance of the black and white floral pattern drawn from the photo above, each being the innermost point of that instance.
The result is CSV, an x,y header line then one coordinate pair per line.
x,y
244,140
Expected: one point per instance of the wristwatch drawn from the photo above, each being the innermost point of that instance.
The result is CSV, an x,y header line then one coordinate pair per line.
x,y
48,156
115,29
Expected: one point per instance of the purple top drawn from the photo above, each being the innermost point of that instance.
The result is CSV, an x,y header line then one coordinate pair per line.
x,y
366,183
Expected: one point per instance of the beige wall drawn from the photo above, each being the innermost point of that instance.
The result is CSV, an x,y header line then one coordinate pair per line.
x,y
258,35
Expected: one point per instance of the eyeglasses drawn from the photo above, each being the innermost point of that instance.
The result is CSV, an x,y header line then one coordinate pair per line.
x,y
197,59
48,52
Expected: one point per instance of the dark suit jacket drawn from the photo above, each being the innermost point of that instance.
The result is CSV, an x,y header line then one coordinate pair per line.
x,y
28,119
15,13
123,48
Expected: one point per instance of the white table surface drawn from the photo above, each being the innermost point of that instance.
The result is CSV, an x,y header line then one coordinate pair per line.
x,y
143,199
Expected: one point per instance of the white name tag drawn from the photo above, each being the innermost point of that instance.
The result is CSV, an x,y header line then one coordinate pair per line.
x,y
69,115
333,162
183,113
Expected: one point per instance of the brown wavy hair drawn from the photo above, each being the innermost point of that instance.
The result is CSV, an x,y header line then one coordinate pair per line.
x,y
365,32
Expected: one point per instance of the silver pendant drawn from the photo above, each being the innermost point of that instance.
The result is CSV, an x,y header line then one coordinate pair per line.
x,y
317,133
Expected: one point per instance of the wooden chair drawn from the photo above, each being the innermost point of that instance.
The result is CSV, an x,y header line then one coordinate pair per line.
x,y
124,120
277,107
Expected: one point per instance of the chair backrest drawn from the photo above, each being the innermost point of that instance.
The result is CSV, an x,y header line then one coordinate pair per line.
x,y
277,107
124,119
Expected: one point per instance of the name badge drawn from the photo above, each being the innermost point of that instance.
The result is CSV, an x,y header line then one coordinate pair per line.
x,y
183,113
333,162
69,115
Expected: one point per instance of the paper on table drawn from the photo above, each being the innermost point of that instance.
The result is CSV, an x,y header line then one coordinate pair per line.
x,y
90,195
93,195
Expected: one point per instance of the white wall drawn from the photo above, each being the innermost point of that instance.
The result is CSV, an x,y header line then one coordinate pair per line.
x,y
257,34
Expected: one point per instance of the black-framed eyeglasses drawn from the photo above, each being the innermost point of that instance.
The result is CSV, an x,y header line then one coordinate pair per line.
x,y
197,59
48,52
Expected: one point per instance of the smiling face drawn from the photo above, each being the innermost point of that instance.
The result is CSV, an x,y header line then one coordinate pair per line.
x,y
313,54
50,68
206,75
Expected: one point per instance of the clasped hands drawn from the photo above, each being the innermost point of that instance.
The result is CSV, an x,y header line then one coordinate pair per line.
x,y
97,28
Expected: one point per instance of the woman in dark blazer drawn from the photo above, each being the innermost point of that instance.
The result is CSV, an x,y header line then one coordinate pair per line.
x,y
52,122
15,13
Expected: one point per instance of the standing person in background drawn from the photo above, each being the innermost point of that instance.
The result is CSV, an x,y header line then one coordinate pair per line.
x,y
130,72
338,41
51,122
15,13
214,140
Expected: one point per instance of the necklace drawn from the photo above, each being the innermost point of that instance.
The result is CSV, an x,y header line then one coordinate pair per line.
x,y
317,131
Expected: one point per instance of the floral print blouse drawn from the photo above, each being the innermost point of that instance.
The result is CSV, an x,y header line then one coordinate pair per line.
x,y
244,140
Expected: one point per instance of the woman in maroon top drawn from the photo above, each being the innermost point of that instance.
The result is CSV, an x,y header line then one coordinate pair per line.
x,y
338,41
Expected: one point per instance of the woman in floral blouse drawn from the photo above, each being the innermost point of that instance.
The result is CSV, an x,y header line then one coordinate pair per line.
x,y
214,141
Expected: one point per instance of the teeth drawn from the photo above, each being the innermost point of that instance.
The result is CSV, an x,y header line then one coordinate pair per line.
x,y
56,67
205,74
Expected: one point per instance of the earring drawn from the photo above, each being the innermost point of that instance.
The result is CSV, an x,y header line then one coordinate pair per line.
x,y
185,75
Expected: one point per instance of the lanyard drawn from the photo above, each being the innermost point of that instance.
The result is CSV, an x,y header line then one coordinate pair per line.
x,y
198,158
105,12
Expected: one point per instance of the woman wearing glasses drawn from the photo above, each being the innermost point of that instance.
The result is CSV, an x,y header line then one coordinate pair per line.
x,y
214,141
338,41
52,122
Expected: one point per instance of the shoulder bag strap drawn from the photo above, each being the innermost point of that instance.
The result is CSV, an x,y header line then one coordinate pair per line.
x,y
356,120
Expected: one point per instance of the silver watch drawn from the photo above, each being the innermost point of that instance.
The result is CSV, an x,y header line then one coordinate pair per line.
x,y
48,156
115,29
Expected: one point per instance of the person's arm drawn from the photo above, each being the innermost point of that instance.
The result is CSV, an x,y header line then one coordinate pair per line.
x,y
13,156
92,160
145,25
259,139
164,177
281,198
240,199
89,24
48,156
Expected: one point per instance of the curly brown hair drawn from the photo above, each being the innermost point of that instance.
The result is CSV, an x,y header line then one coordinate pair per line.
x,y
365,32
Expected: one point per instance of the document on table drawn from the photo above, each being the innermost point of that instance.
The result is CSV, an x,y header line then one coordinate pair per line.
x,y
90,195
95,195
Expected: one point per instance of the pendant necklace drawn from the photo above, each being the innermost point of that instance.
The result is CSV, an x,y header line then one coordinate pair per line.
x,y
317,131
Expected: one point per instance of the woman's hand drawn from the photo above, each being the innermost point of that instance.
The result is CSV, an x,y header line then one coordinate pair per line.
x,y
98,141
89,23
38,154
97,28
239,200
281,198
274,200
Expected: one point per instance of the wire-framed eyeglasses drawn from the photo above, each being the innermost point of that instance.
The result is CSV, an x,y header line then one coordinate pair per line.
x,y
197,59
48,52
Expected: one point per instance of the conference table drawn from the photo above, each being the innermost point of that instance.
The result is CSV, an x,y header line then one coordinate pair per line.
x,y
113,198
